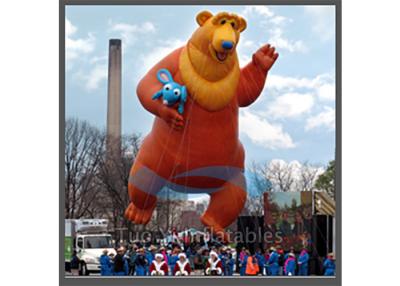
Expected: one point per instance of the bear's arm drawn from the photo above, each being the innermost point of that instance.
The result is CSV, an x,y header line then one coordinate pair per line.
x,y
149,84
251,84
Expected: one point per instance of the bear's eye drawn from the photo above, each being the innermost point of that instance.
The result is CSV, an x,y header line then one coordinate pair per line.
x,y
177,92
223,22
233,24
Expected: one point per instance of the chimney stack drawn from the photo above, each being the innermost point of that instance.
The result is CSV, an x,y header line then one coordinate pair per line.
x,y
114,98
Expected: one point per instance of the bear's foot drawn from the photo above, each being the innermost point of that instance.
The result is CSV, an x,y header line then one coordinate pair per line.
x,y
137,215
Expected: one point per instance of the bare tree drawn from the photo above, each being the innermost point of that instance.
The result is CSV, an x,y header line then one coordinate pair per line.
x,y
308,176
281,175
113,178
96,179
83,151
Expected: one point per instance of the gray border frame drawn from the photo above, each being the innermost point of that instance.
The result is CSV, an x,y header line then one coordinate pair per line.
x,y
232,281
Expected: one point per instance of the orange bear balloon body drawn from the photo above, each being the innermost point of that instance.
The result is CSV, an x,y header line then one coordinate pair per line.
x,y
199,151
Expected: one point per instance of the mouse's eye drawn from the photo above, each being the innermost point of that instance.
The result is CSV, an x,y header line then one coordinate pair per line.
x,y
167,87
223,21
177,92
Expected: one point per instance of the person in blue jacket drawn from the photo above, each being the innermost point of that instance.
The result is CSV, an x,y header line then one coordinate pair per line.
x,y
273,262
303,262
243,263
121,265
132,258
261,260
266,259
173,258
329,265
140,263
150,256
112,255
287,254
223,257
105,264
229,263
75,262
290,265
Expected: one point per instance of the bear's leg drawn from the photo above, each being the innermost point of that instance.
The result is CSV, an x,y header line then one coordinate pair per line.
x,y
225,206
143,186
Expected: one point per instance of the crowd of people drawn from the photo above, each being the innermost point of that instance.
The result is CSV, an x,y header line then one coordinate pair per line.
x,y
276,262
217,260
162,261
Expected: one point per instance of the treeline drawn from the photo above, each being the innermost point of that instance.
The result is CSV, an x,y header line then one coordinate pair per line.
x,y
96,179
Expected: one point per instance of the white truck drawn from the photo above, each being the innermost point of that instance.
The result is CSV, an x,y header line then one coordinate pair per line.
x,y
88,237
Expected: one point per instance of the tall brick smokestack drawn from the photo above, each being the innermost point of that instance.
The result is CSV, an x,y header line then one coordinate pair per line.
x,y
114,98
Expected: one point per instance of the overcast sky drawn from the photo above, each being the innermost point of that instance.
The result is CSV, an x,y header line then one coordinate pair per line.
x,y
294,118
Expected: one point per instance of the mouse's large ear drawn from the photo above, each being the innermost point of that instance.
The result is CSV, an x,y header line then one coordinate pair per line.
x,y
164,76
202,17
184,94
242,24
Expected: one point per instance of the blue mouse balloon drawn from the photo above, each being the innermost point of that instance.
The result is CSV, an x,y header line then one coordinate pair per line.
x,y
171,92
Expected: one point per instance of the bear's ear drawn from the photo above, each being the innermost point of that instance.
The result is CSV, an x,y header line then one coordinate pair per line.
x,y
202,17
242,24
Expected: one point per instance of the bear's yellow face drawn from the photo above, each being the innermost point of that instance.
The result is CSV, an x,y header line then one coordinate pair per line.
x,y
209,64
218,36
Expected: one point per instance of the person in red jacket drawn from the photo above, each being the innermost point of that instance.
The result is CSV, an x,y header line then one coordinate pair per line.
x,y
158,267
214,265
182,266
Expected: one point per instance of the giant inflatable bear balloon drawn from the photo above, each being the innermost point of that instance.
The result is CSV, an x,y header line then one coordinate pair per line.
x,y
199,150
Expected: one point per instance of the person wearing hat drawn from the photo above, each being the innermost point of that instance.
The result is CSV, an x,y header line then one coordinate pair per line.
x,y
273,262
182,266
140,263
105,264
121,267
329,265
214,265
287,254
290,265
303,262
158,267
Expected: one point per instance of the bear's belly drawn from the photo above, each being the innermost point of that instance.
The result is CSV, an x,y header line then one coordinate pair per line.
x,y
208,139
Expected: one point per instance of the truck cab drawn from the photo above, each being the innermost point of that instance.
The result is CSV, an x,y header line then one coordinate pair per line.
x,y
89,237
